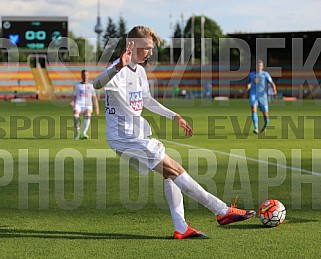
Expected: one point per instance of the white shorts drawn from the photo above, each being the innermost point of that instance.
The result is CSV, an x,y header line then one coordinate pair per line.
x,y
81,109
143,154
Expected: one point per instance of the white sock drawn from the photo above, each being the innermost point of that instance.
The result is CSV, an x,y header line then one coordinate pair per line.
x,y
76,122
174,199
191,188
86,124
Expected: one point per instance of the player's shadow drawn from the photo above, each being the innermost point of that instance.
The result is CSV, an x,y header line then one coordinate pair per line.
x,y
289,220
6,232
247,226
293,220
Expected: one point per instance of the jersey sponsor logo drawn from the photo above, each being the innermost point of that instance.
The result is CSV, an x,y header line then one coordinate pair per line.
x,y
136,100
82,93
257,80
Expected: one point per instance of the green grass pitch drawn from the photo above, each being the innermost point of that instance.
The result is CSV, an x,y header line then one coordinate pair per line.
x,y
61,198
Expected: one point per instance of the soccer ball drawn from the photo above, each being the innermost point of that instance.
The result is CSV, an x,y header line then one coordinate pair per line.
x,y
272,213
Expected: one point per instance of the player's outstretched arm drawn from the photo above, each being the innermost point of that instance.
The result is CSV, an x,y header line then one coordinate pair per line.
x,y
102,79
154,106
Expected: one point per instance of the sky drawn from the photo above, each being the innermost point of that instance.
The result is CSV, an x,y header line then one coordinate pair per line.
x,y
231,16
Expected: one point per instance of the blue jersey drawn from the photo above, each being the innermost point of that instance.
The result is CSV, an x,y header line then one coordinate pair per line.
x,y
258,91
259,82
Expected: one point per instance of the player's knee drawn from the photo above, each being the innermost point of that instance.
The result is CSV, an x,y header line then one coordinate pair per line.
x,y
170,173
87,112
173,171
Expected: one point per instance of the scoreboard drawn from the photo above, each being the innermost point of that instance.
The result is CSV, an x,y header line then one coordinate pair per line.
x,y
36,34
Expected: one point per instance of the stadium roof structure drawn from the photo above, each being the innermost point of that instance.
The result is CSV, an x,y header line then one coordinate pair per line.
x,y
292,42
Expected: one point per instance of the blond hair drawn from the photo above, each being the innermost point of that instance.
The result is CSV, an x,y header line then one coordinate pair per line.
x,y
143,32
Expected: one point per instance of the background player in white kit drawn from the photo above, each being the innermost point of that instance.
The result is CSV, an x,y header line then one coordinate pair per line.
x,y
127,92
84,93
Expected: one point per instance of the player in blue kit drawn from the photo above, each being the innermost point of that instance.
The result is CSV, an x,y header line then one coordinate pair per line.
x,y
257,86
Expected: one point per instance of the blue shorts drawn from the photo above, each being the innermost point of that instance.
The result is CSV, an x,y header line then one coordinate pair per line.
x,y
260,102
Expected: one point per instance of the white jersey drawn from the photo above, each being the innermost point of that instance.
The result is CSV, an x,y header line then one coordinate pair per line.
x,y
126,95
84,94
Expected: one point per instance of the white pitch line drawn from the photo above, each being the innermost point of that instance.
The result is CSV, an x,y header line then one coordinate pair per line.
x,y
244,157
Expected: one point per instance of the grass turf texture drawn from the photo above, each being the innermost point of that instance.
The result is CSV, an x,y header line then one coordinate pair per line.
x,y
138,224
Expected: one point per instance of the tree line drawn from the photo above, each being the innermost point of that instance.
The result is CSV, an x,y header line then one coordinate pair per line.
x,y
193,27
113,42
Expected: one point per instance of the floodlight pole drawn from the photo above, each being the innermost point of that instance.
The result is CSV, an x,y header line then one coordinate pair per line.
x,y
193,39
202,41
171,51
182,41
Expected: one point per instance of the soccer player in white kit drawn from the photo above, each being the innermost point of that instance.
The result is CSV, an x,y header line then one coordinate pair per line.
x,y
82,103
127,93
